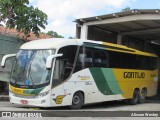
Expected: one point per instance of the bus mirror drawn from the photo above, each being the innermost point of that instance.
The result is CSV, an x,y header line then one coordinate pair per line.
x,y
4,59
50,58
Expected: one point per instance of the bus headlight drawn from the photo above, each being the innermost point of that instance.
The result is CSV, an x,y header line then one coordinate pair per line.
x,y
42,94
11,93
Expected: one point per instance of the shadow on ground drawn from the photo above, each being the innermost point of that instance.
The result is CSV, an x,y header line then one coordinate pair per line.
x,y
102,105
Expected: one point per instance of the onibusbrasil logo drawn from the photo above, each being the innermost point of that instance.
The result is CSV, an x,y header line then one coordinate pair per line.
x,y
21,114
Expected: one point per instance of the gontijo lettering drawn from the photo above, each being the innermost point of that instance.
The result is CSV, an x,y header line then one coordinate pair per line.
x,y
134,75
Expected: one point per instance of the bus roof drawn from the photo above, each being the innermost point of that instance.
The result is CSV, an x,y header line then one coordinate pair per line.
x,y
51,43
56,43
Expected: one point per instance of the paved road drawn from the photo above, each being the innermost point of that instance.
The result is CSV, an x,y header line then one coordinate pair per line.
x,y
149,105
115,107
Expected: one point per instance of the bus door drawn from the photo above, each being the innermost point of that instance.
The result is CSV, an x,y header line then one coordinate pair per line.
x,y
57,81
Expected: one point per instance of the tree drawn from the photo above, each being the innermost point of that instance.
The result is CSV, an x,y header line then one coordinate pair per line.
x,y
54,34
126,9
18,14
71,37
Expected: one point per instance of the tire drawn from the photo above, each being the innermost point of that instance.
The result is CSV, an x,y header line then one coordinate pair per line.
x,y
77,101
142,96
135,98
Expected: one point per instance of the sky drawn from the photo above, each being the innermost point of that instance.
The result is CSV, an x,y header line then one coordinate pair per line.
x,y
62,13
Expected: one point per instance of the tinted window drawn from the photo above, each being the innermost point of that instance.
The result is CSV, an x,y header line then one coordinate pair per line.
x,y
85,59
100,58
93,57
131,61
69,53
64,65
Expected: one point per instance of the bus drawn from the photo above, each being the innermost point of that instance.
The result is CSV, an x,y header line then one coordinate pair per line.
x,y
73,72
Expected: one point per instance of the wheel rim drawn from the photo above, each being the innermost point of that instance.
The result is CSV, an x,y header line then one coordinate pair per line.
x,y
136,96
142,95
76,100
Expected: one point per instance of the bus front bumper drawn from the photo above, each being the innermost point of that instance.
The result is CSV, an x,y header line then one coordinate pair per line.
x,y
38,102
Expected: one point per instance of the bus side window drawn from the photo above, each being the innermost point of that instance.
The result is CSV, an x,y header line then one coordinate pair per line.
x,y
69,53
100,58
88,60
97,62
115,59
81,57
85,59
155,63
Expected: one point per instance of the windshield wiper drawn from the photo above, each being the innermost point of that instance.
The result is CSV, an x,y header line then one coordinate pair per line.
x,y
29,73
20,75
29,69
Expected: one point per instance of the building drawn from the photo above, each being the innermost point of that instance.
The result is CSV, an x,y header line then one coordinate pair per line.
x,y
14,33
135,28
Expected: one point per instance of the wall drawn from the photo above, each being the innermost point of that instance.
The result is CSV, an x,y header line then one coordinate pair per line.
x,y
8,45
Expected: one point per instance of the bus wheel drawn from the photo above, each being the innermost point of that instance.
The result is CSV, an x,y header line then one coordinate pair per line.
x,y
135,98
142,96
77,100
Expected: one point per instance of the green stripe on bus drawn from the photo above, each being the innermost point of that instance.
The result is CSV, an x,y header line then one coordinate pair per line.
x,y
33,91
111,80
37,91
105,81
98,47
100,81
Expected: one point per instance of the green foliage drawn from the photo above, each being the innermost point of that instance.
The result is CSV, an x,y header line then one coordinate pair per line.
x,y
126,9
54,34
71,37
18,14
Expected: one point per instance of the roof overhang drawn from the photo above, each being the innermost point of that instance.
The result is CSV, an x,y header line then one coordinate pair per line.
x,y
139,24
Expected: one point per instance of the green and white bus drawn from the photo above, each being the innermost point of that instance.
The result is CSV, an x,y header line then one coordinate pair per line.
x,y
71,72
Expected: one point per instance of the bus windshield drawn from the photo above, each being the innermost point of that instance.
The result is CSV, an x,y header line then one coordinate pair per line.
x,y
29,69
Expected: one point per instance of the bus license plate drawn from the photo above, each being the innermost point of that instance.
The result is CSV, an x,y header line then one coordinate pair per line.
x,y
24,101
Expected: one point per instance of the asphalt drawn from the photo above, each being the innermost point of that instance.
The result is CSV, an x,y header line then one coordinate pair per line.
x,y
4,98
